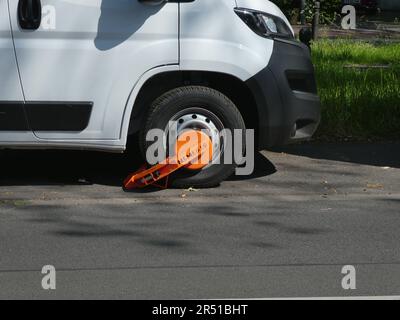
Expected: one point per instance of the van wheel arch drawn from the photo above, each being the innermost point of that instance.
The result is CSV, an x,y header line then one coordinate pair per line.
x,y
232,87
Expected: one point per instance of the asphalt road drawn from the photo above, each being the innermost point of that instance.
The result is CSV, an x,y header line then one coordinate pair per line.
x,y
286,231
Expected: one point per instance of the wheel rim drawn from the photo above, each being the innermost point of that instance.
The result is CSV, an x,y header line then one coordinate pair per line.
x,y
198,118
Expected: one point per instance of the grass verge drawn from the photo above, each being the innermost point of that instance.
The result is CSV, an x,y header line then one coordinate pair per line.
x,y
359,86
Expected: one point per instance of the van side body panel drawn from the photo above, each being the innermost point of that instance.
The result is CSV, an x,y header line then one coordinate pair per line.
x,y
10,87
92,52
13,125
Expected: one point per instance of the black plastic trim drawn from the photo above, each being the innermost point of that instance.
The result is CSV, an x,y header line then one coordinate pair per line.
x,y
58,116
283,105
45,116
12,116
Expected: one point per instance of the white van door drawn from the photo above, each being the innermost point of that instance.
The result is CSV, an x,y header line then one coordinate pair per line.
x,y
80,59
13,124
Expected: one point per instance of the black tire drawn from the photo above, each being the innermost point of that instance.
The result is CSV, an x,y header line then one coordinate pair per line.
x,y
169,104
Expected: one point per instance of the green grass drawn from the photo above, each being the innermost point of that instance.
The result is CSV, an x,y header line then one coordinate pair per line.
x,y
358,103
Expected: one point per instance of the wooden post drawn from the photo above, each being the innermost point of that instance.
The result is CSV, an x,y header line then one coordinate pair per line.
x,y
315,25
302,12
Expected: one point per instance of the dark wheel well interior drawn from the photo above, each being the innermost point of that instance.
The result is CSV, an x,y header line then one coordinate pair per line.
x,y
232,87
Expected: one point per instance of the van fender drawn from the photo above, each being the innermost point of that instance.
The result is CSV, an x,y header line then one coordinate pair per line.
x,y
134,94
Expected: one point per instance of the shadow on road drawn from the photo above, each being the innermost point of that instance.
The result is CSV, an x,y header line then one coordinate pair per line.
x,y
20,168
59,167
373,154
262,168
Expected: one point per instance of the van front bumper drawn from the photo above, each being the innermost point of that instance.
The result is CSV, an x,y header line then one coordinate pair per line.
x,y
286,96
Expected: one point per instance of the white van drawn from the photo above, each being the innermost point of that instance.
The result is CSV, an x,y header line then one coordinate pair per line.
x,y
87,74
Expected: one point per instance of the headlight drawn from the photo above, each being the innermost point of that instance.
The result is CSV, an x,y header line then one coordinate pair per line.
x,y
264,24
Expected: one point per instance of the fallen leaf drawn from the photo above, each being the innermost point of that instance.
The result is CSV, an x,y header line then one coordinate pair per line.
x,y
374,186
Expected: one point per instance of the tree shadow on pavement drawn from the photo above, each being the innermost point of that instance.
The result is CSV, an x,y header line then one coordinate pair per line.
x,y
162,227
373,154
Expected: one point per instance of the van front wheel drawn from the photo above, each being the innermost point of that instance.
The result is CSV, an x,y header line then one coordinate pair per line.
x,y
197,108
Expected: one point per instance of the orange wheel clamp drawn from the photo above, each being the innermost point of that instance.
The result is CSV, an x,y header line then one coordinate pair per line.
x,y
193,152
